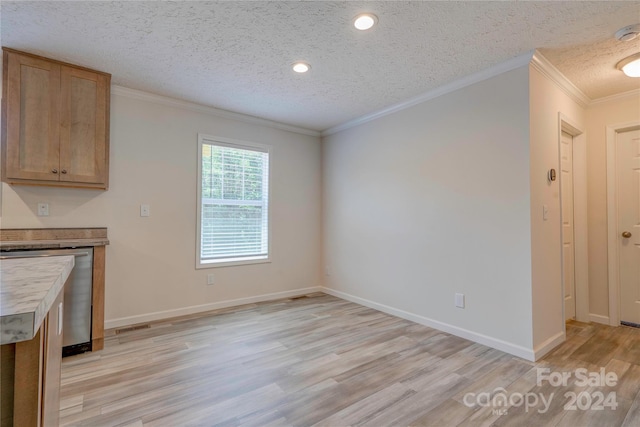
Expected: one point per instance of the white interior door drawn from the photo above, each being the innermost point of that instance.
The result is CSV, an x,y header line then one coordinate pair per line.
x,y
568,249
628,167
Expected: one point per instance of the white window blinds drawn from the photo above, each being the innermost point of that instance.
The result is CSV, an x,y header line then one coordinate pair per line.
x,y
234,208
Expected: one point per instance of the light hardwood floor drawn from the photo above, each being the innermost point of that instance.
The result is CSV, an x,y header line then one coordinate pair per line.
x,y
322,361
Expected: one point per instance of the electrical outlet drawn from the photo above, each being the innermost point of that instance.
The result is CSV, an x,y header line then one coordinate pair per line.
x,y
145,210
327,271
459,300
211,279
43,209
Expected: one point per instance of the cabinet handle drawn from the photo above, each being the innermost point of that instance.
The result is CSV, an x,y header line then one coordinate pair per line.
x,y
63,171
54,170
60,317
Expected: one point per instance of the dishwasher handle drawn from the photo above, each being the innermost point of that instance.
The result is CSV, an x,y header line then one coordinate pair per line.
x,y
79,254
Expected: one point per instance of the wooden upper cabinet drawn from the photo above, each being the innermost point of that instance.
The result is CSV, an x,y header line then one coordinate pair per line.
x,y
33,130
83,134
55,119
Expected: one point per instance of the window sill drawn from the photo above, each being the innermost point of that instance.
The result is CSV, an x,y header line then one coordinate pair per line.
x,y
232,262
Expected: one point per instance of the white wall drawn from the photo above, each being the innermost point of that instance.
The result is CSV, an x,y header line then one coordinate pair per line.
x,y
151,261
434,200
599,116
547,100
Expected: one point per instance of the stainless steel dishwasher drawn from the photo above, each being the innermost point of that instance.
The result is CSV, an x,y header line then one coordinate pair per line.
x,y
76,322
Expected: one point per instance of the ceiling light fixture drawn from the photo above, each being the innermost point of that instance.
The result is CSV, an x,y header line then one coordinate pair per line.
x,y
301,67
630,65
365,21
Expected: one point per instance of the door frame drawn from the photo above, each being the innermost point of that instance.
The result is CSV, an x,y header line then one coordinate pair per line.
x,y
612,218
580,226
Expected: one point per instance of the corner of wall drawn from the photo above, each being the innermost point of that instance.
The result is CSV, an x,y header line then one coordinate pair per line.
x,y
473,183
550,93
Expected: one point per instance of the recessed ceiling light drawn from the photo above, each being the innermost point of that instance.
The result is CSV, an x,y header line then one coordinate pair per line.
x,y
630,65
301,67
365,21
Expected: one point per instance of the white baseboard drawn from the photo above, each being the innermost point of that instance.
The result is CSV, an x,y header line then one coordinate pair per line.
x,y
498,344
598,318
167,314
549,344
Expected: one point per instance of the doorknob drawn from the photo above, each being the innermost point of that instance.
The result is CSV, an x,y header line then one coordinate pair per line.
x,y
626,234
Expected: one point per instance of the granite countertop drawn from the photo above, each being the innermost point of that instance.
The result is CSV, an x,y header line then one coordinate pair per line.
x,y
49,244
51,238
28,288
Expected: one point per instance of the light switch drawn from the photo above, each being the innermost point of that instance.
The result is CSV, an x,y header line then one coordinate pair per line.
x,y
545,212
145,210
43,209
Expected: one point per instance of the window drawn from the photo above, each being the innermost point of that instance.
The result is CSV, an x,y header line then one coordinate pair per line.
x,y
233,202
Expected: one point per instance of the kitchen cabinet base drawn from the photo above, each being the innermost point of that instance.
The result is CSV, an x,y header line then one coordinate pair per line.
x,y
97,344
30,387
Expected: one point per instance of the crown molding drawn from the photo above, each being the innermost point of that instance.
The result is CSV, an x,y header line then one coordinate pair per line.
x,y
186,105
503,67
534,57
635,93
542,64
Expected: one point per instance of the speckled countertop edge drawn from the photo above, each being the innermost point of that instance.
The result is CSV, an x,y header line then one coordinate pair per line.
x,y
28,288
51,244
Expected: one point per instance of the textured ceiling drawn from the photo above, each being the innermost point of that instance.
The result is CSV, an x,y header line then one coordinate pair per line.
x,y
592,66
237,55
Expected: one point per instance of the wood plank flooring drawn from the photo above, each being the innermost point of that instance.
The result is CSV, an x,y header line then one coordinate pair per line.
x,y
322,361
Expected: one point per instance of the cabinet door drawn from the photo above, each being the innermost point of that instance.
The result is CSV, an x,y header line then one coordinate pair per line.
x,y
52,364
32,108
84,126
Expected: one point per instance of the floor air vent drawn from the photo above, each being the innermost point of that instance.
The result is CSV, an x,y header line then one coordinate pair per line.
x,y
633,325
131,328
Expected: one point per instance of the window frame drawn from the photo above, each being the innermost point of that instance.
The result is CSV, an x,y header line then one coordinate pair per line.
x,y
243,145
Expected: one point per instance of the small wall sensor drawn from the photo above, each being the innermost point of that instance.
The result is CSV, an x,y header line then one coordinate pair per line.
x,y
551,175
628,33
